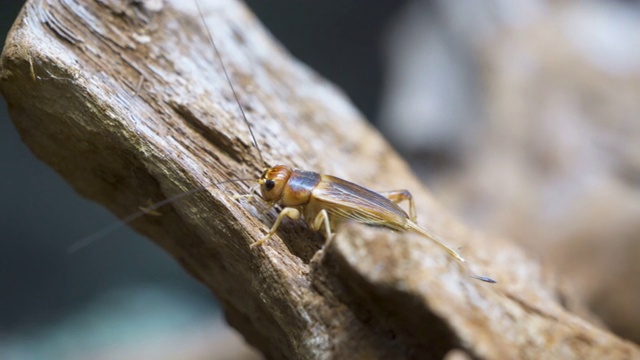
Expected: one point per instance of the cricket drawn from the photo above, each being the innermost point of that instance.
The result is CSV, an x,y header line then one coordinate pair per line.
x,y
322,201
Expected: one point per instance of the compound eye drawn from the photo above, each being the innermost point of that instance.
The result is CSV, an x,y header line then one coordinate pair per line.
x,y
269,184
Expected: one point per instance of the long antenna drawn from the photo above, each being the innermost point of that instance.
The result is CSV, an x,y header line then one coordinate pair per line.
x,y
233,90
88,240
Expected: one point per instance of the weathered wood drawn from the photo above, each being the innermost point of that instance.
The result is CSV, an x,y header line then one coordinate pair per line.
x,y
129,104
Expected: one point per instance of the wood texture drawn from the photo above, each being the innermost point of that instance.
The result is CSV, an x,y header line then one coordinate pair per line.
x,y
127,101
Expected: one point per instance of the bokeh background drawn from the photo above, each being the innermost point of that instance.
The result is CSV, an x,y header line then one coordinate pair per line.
x,y
522,117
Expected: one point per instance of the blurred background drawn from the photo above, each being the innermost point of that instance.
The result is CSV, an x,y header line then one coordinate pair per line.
x,y
522,117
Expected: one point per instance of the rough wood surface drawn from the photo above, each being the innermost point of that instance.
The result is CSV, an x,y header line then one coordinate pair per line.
x,y
127,101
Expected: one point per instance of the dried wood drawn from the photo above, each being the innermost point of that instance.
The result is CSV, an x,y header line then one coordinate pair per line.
x,y
127,101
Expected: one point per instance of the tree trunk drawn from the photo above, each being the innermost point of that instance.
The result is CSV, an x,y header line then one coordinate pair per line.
x,y
127,101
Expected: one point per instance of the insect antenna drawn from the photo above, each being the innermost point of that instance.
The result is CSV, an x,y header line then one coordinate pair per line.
x,y
233,89
88,240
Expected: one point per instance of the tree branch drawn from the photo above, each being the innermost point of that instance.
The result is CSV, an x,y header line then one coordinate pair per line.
x,y
129,104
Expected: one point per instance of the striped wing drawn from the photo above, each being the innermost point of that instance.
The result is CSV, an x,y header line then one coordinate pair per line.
x,y
344,200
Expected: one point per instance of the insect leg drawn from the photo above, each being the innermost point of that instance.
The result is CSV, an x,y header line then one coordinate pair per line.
x,y
398,196
249,196
322,219
289,212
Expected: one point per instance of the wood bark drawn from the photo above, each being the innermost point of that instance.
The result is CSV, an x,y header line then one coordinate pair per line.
x,y
127,101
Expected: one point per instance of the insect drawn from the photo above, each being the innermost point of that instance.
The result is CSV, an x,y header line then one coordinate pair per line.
x,y
323,201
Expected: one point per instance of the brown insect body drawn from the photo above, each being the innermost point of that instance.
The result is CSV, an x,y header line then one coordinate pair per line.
x,y
311,192
325,200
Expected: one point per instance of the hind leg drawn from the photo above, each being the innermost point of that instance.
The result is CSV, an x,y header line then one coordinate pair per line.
x,y
398,196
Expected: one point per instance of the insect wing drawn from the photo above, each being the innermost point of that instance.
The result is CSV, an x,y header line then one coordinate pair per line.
x,y
344,200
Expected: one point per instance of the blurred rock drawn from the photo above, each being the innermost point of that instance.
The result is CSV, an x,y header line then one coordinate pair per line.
x,y
546,144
